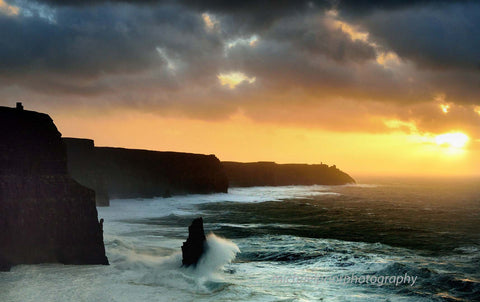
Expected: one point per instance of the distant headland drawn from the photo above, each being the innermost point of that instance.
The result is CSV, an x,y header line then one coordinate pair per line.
x,y
132,173
273,174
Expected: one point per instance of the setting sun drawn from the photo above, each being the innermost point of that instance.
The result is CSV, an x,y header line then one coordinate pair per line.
x,y
454,139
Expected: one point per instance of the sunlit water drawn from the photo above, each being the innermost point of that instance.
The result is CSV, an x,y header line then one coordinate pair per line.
x,y
280,243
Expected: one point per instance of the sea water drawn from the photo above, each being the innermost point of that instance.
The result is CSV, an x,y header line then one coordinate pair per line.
x,y
365,242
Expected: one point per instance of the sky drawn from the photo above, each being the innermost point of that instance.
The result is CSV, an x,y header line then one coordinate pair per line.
x,y
375,87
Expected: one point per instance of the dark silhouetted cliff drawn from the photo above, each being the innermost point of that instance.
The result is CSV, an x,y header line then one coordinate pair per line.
x,y
272,174
83,167
45,216
130,173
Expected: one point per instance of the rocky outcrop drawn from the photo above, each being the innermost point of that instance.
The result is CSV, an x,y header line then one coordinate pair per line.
x,y
45,216
272,174
83,167
130,173
194,247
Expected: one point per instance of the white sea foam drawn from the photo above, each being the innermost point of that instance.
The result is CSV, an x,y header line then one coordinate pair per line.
x,y
219,252
185,204
168,272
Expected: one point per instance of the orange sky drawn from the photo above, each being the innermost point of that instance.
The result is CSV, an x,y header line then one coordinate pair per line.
x,y
240,139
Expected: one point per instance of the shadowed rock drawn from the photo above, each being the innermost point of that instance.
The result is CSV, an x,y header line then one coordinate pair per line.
x,y
4,265
194,247
83,167
45,216
273,174
130,173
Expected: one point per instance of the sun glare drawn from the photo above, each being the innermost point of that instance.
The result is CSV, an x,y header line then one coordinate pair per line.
x,y
454,139
445,108
477,109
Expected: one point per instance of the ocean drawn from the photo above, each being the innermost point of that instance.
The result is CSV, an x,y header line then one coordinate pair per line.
x,y
380,240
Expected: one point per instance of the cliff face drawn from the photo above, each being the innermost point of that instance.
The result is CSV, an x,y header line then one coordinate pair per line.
x,y
272,174
45,216
129,173
83,167
141,173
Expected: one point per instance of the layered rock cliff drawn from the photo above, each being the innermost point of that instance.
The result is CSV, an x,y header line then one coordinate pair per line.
x,y
45,216
130,173
272,174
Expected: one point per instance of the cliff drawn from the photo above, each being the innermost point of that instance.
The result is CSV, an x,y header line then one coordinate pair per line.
x,y
45,216
272,174
130,173
83,167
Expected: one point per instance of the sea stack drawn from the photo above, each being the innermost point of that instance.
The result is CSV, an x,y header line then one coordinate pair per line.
x,y
194,247
45,216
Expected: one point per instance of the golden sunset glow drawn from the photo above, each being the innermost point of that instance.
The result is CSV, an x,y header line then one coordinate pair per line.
x,y
241,139
210,22
8,9
454,139
477,110
397,124
233,79
445,108
387,59
353,32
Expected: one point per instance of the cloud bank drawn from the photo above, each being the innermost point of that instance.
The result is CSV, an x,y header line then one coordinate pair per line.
x,y
337,65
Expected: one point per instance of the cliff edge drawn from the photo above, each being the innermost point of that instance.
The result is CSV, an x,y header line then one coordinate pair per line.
x,y
273,174
83,167
132,173
45,216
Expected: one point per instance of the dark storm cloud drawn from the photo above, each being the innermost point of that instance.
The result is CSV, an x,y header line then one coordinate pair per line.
x,y
284,7
367,6
431,33
88,44
75,47
432,37
310,35
98,41
248,5
161,56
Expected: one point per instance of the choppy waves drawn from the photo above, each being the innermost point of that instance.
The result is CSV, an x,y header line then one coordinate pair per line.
x,y
281,243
